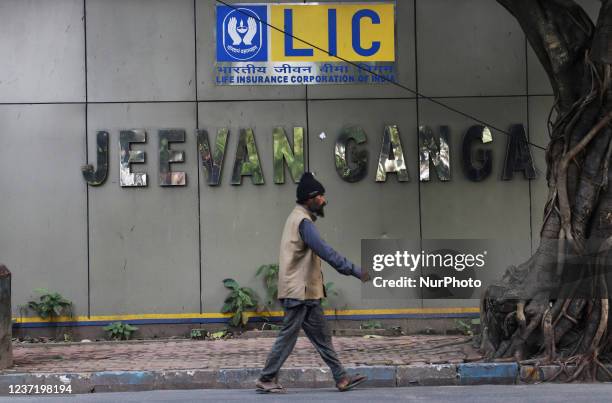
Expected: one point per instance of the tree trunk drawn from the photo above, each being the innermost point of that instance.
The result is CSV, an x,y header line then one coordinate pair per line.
x,y
6,352
554,307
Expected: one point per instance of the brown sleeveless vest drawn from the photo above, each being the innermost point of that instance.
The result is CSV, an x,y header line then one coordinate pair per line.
x,y
299,275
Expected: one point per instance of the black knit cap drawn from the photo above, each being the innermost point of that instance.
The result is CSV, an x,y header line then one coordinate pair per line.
x,y
308,187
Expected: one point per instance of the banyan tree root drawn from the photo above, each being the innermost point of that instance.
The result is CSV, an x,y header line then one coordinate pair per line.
x,y
554,308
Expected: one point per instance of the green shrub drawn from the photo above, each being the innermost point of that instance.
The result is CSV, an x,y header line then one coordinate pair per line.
x,y
197,334
50,305
120,330
270,326
371,324
240,300
463,327
220,335
270,275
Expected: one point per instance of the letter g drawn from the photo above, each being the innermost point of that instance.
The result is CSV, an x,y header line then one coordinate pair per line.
x,y
377,266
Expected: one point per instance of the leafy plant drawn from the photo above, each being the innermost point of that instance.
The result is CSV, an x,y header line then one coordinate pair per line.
x,y
218,335
371,324
197,334
240,300
330,289
463,327
50,304
270,275
201,334
271,326
120,330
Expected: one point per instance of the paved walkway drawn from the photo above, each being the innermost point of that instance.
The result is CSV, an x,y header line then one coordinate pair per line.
x,y
234,353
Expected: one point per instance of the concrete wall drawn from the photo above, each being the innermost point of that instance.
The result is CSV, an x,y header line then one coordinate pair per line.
x,y
72,67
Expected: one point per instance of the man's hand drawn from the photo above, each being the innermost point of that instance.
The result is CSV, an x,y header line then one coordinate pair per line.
x,y
361,274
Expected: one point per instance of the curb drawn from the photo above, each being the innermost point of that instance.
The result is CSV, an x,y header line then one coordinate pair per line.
x,y
488,373
244,378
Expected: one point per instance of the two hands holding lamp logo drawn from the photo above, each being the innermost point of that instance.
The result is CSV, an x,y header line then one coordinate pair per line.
x,y
235,31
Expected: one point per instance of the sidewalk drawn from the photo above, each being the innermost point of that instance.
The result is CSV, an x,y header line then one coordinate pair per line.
x,y
234,353
235,363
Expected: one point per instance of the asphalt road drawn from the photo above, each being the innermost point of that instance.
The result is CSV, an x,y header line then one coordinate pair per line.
x,y
545,393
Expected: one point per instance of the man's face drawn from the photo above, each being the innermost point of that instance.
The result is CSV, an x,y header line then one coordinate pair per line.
x,y
316,204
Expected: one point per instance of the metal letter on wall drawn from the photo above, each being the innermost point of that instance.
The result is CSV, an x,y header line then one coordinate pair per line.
x,y
440,154
167,156
96,177
282,151
247,159
483,157
212,162
518,155
392,157
127,178
345,148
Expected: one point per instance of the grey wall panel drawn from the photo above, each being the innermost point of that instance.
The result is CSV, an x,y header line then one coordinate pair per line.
x,y
539,108
43,240
144,241
206,54
538,80
140,50
365,209
405,59
241,225
491,209
43,52
469,47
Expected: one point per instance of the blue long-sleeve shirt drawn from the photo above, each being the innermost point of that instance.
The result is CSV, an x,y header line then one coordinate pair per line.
x,y
310,236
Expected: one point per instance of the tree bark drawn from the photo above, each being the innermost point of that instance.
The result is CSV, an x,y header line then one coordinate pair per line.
x,y
6,352
533,312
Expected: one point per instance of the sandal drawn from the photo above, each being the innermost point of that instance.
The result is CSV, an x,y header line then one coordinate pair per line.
x,y
349,382
269,387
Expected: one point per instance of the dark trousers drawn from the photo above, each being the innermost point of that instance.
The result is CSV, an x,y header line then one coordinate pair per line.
x,y
309,316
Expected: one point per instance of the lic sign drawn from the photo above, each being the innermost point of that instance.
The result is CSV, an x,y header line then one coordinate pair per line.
x,y
242,34
358,32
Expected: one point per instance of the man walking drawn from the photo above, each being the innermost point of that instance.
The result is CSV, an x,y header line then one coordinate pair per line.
x,y
300,288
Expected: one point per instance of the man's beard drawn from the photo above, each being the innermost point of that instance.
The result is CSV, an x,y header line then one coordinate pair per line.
x,y
318,210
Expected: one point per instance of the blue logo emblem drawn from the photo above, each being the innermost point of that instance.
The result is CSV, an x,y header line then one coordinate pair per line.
x,y
241,34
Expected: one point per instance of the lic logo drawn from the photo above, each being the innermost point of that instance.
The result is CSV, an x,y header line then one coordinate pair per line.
x,y
241,34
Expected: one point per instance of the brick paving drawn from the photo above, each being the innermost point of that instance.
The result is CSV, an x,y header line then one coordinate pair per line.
x,y
235,353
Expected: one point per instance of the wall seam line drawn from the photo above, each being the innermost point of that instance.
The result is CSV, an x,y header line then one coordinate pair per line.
x,y
87,212
418,118
197,118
